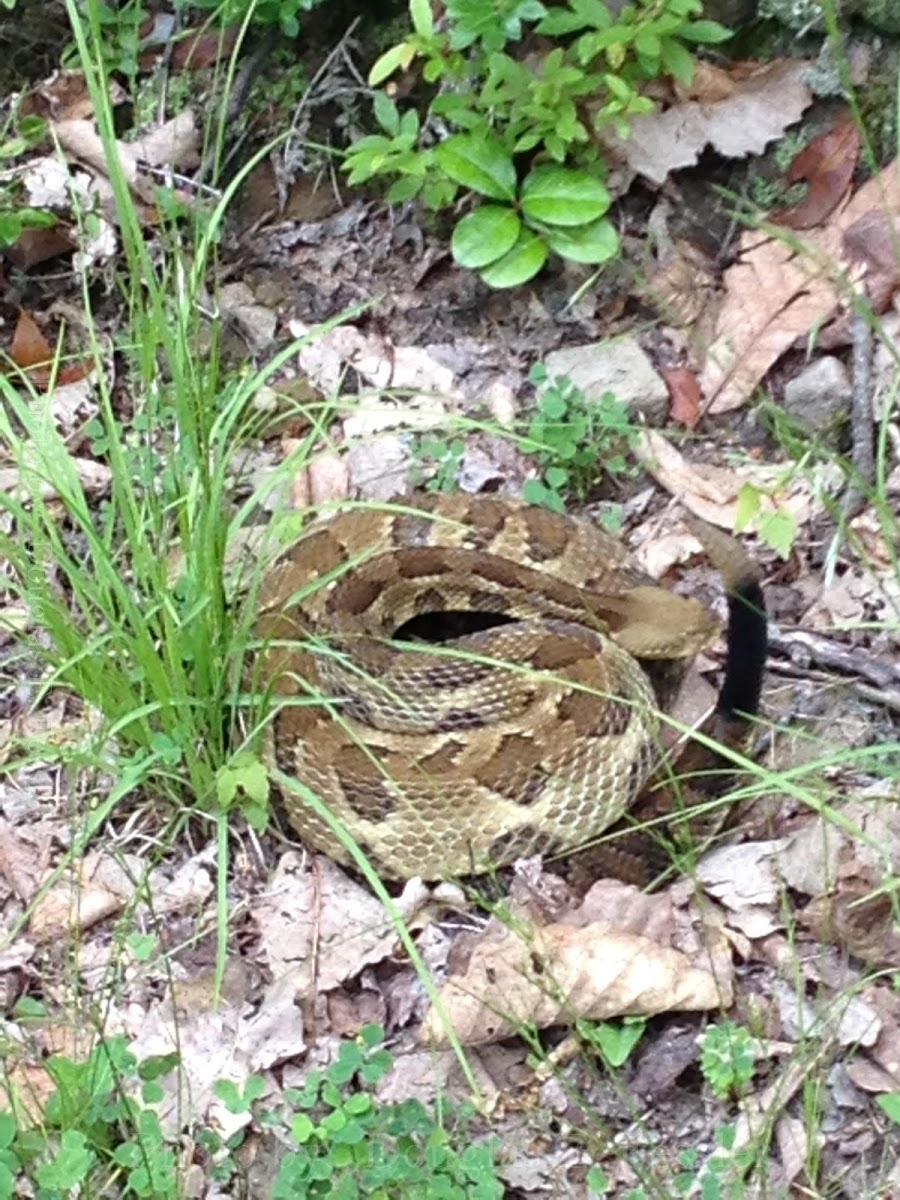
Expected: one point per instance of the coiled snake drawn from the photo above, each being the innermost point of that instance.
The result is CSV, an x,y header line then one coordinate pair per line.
x,y
533,734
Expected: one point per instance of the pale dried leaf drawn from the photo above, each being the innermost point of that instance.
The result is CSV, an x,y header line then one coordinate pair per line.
x,y
742,875
711,492
792,1139
93,476
559,973
756,111
777,293
206,1045
90,892
319,925
20,864
275,1030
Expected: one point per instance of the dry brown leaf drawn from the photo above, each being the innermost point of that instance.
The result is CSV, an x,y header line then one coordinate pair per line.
x,y
776,294
558,973
21,864
29,346
711,492
66,95
318,925
709,83
827,164
91,891
325,479
872,241
31,351
684,395
25,1090
756,112
856,917
35,246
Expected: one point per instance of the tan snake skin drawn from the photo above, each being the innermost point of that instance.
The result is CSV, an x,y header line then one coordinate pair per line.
x,y
524,738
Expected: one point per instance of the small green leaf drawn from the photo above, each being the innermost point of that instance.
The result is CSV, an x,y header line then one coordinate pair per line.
x,y
614,1039
422,17
778,530
707,32
518,265
748,505
386,113
594,243
302,1128
647,43
677,60
560,196
889,1103
485,235
480,163
8,1130
397,58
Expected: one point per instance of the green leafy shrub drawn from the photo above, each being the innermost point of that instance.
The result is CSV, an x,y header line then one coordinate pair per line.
x,y
727,1058
350,1146
575,441
523,135
95,1126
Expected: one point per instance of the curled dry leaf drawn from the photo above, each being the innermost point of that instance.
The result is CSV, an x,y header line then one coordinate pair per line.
x,y
92,890
557,973
174,144
827,164
756,111
712,492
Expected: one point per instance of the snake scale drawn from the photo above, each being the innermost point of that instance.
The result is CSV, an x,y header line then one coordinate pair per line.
x,y
532,731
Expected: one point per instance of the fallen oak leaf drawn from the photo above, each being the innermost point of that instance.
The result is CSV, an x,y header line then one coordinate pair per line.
x,y
714,493
756,112
29,346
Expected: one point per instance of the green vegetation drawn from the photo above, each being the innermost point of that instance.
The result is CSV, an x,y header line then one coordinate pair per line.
x,y
350,1146
97,1125
727,1058
99,1128
575,441
526,137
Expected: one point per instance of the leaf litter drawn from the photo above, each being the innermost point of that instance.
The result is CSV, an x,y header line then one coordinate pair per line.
x,y
323,954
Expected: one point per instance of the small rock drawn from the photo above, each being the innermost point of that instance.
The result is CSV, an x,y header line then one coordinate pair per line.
x,y
378,467
619,366
257,323
819,397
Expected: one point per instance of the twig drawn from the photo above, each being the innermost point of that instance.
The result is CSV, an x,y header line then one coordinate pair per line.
x,y
883,697
846,659
862,455
339,50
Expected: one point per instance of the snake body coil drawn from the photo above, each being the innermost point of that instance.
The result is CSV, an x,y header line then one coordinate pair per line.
x,y
531,732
